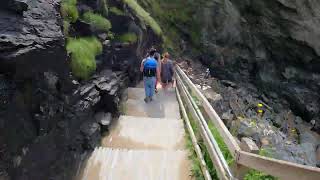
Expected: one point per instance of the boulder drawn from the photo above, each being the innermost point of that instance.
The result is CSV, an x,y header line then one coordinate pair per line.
x,y
248,145
104,120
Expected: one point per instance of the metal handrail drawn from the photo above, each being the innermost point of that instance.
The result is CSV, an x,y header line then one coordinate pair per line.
x,y
194,140
207,130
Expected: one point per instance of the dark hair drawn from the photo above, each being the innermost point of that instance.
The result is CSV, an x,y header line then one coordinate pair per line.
x,y
152,51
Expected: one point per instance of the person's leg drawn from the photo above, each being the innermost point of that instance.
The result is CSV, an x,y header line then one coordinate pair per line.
x,y
147,88
152,87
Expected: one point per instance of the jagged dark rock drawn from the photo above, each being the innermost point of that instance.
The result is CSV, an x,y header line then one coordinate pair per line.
x,y
47,118
277,129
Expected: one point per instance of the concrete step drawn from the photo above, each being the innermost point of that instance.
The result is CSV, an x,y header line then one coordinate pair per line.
x,y
136,93
146,133
122,164
164,104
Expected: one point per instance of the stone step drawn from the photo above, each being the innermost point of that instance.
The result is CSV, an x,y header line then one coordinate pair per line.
x,y
123,164
164,104
136,93
146,133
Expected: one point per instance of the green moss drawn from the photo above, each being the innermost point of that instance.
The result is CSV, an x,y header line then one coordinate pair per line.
x,y
69,10
178,20
83,52
144,16
117,11
128,37
97,21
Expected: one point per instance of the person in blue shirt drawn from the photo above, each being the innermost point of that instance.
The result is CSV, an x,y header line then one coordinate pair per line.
x,y
149,69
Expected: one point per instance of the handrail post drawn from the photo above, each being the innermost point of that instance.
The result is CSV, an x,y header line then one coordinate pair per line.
x,y
239,171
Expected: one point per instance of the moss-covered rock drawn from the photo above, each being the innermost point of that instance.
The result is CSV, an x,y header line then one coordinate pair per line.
x,y
83,52
144,16
97,21
69,10
128,38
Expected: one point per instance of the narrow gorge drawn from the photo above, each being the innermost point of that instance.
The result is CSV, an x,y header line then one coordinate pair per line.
x,y
65,66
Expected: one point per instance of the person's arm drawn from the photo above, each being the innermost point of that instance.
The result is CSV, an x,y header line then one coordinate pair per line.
x,y
141,66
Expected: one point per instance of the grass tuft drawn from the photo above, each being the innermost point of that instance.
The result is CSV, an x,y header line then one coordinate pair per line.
x,y
97,21
129,38
144,16
83,52
257,175
69,10
117,11
196,164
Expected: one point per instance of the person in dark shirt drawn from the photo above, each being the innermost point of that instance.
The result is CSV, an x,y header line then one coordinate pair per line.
x,y
167,71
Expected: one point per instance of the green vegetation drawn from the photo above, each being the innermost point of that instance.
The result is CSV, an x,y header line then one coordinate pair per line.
x,y
129,38
196,164
117,11
223,147
103,7
178,21
97,21
66,26
144,16
83,52
257,175
69,10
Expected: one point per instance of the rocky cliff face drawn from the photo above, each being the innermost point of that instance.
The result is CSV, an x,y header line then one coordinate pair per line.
x,y
49,121
274,44
32,62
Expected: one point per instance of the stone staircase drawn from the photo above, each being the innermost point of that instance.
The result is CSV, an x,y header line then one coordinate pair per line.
x,y
147,143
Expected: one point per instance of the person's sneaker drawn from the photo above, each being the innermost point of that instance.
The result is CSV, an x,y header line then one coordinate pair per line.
x,y
156,90
150,99
146,99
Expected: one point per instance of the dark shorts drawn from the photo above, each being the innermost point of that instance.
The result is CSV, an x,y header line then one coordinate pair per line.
x,y
166,81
